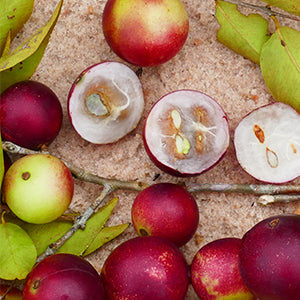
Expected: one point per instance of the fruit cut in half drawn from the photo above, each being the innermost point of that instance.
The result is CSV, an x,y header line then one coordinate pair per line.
x,y
186,133
267,143
105,102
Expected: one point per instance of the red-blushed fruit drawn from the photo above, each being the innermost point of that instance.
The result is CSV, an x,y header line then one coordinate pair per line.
x,y
146,268
215,271
38,188
30,114
10,293
145,32
269,258
186,133
63,276
166,210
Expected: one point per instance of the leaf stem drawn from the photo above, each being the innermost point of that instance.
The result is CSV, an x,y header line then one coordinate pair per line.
x,y
263,9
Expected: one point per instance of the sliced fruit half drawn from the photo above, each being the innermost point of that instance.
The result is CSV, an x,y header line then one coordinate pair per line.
x,y
267,143
186,133
105,102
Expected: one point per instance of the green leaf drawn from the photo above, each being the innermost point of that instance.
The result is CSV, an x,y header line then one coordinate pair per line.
x,y
17,252
1,163
13,15
280,66
243,34
94,235
22,62
107,234
291,6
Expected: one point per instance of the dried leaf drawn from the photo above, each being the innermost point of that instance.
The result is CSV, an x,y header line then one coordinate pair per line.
x,y
280,66
23,61
243,34
13,15
17,252
292,6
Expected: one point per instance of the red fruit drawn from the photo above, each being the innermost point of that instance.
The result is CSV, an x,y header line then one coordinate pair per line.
x,y
269,258
147,268
145,33
13,294
63,276
166,210
30,114
215,271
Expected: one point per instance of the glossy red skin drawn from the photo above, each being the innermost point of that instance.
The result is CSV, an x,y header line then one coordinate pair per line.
x,y
14,293
146,268
63,276
134,42
215,271
269,258
30,114
166,210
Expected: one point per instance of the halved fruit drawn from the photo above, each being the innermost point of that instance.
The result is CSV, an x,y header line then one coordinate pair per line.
x,y
105,102
267,143
186,133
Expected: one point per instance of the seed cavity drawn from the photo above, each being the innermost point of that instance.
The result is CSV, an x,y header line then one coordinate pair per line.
x,y
26,175
272,158
96,105
183,145
176,118
259,133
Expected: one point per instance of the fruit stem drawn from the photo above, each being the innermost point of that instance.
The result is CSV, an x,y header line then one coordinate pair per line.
x,y
263,9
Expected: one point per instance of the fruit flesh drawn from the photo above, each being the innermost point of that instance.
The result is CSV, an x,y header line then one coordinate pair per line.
x,y
267,143
186,131
105,102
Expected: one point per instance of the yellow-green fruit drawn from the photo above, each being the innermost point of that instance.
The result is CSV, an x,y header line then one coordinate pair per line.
x,y
38,188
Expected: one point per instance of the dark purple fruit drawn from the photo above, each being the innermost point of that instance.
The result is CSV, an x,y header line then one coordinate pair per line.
x,y
186,133
167,210
30,114
146,268
269,258
63,276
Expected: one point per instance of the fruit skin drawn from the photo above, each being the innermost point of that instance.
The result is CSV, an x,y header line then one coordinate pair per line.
x,y
38,188
146,267
63,276
30,114
145,32
269,259
215,271
167,210
14,293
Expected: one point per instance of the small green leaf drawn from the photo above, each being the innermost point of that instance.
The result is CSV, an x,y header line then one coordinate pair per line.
x,y
280,66
243,34
23,61
17,252
291,6
94,235
13,15
107,234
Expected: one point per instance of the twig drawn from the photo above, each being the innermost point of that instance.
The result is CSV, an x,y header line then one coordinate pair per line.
x,y
264,10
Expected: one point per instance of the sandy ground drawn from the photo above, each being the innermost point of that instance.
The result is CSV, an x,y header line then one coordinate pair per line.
x,y
203,64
